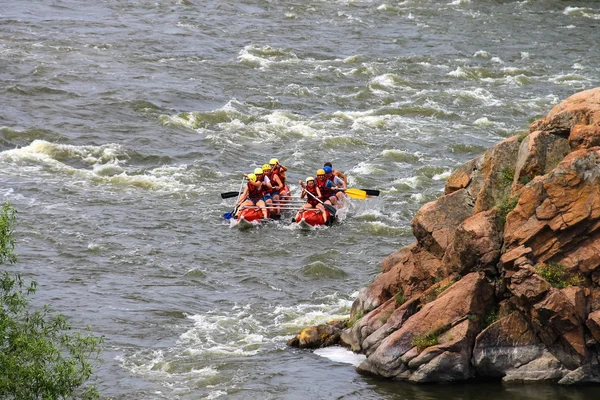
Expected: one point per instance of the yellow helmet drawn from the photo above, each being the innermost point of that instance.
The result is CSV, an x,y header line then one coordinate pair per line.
x,y
251,177
273,161
266,167
310,178
258,171
320,172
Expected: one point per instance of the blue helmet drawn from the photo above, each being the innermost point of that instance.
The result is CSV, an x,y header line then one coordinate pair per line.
x,y
327,170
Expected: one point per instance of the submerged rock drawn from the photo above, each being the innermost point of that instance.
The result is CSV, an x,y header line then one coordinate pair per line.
x,y
504,278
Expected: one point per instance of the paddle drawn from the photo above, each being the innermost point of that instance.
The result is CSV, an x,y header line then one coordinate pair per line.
x,y
371,192
332,210
228,195
229,215
356,193
360,194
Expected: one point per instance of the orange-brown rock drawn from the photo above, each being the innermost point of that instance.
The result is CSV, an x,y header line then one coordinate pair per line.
x,y
537,266
499,165
415,271
584,137
538,154
435,223
322,335
593,324
466,175
476,245
470,296
582,108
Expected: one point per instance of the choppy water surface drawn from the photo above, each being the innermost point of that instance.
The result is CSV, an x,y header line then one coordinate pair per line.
x,y
122,121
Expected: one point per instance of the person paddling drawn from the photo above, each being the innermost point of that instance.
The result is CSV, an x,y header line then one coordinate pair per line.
x,y
337,173
326,188
265,185
252,195
279,170
276,186
337,181
311,201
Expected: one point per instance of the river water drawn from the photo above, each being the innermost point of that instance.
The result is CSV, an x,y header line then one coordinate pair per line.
x,y
122,121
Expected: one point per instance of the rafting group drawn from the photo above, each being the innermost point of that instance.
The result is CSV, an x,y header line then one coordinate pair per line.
x,y
265,196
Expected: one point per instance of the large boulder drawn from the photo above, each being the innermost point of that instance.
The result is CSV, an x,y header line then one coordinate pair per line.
x,y
509,349
463,304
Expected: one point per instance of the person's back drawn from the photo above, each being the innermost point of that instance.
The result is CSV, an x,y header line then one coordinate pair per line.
x,y
337,173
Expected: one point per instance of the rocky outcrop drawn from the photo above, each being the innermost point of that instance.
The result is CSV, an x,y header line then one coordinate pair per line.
x,y
504,278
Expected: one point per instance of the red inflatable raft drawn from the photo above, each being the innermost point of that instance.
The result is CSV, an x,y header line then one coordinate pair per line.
x,y
251,214
312,217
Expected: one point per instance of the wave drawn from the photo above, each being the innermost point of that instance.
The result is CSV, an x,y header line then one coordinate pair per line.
x,y
582,12
105,164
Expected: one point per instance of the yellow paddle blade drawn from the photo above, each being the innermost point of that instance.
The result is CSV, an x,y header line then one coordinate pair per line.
x,y
356,193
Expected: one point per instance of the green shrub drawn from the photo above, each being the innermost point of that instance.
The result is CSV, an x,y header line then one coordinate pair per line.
x,y
504,206
356,317
555,275
399,298
442,288
522,136
8,216
490,318
427,340
506,176
525,179
385,316
40,358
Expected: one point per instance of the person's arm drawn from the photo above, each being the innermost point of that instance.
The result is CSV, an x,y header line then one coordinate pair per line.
x,y
342,176
283,167
278,184
338,182
318,192
267,183
242,197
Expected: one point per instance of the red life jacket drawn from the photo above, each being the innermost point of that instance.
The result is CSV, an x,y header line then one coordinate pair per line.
x,y
326,192
254,192
310,199
278,171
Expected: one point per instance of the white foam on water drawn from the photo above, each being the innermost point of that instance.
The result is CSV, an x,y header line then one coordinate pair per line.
x,y
481,54
363,168
104,165
417,197
581,12
443,176
387,7
568,79
370,213
480,94
386,80
459,2
216,394
341,355
577,66
412,181
483,121
497,60
525,55
459,72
